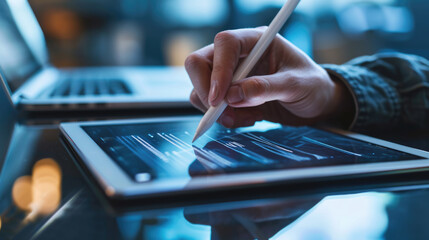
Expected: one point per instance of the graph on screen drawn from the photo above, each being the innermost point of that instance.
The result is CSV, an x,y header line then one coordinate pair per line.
x,y
164,150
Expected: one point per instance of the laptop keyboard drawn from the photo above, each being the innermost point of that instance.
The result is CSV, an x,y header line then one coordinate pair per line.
x,y
85,86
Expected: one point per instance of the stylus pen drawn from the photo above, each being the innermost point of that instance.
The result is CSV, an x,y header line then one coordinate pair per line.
x,y
246,66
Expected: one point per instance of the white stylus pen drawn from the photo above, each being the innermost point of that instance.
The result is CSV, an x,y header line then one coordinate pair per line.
x,y
247,65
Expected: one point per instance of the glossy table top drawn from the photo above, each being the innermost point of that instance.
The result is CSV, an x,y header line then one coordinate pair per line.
x,y
399,210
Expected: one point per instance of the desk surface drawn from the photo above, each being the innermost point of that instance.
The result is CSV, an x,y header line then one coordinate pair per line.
x,y
385,213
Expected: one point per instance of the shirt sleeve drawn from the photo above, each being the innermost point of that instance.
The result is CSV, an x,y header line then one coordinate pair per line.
x,y
391,91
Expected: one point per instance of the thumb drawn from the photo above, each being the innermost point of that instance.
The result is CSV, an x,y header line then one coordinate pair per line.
x,y
257,90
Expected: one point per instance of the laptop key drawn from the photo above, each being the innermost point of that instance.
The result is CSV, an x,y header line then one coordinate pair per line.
x,y
118,87
97,86
75,87
61,89
103,86
89,87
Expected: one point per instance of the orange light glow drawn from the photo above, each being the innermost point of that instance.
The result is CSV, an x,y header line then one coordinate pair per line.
x,y
46,186
178,47
46,197
39,194
47,170
22,193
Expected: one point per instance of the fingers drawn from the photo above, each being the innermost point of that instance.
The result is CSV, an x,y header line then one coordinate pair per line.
x,y
199,68
229,48
195,100
211,68
285,76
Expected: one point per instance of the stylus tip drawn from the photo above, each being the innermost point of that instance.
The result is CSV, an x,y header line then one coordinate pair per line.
x,y
195,138
197,135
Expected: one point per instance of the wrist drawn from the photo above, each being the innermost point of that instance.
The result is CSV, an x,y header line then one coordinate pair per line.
x,y
342,109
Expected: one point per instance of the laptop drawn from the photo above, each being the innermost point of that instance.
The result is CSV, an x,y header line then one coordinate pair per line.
x,y
34,85
155,157
7,123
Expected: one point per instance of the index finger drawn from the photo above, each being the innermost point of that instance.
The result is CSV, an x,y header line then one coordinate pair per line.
x,y
229,47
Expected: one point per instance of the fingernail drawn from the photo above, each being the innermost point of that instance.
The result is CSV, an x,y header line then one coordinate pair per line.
x,y
235,94
213,93
227,121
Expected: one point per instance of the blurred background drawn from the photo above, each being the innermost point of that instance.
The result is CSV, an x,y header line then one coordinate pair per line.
x,y
164,32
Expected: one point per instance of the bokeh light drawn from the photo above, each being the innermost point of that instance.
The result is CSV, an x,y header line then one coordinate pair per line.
x,y
47,171
22,193
39,194
46,186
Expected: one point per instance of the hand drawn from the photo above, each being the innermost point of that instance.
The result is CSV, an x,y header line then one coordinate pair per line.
x,y
285,86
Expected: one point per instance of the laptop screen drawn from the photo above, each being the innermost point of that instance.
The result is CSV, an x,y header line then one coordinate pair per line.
x,y
17,62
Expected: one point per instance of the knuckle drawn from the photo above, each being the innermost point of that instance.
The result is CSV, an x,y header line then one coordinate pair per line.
x,y
192,61
224,36
293,80
193,97
194,101
293,83
257,88
227,39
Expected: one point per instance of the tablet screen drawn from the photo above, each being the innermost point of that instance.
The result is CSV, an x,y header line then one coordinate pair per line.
x,y
148,151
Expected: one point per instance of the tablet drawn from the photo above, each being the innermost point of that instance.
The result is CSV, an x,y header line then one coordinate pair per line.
x,y
156,157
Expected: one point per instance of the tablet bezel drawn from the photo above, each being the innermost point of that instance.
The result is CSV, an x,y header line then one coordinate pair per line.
x,y
122,186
